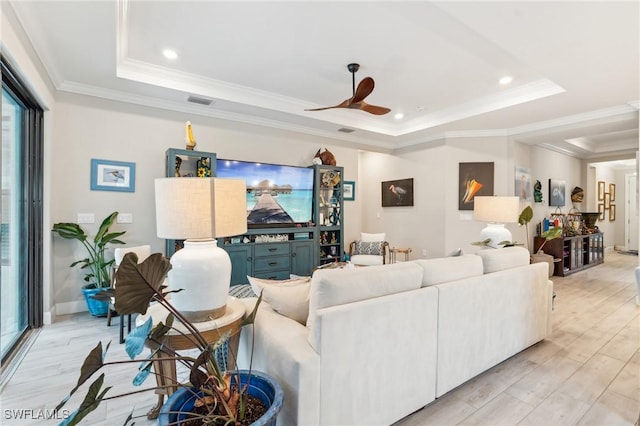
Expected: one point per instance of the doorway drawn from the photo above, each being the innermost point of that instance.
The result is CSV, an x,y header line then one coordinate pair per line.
x,y
631,212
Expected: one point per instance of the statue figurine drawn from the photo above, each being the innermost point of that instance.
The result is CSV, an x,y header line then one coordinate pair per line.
x,y
189,139
177,166
537,192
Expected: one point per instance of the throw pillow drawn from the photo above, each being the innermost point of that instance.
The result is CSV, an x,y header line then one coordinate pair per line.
x,y
369,247
287,297
456,252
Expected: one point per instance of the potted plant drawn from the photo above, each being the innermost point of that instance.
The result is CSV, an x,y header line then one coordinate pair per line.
x,y
98,275
223,397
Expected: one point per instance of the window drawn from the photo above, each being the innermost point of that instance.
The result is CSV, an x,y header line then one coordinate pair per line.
x,y
21,212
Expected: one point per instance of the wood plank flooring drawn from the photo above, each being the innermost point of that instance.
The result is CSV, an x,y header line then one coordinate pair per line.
x,y
586,373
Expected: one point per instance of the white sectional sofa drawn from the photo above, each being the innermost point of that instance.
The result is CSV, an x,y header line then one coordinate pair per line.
x,y
383,341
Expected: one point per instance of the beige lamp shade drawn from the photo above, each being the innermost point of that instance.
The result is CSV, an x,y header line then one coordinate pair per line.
x,y
496,209
200,208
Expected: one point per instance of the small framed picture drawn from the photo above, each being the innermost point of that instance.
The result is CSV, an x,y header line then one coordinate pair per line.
x,y
612,212
107,175
612,192
600,190
601,211
349,190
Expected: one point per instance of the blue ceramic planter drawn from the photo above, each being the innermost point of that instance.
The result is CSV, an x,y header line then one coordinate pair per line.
x,y
261,386
97,308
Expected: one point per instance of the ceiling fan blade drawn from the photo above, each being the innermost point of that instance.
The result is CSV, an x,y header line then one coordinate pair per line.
x,y
343,104
371,109
365,87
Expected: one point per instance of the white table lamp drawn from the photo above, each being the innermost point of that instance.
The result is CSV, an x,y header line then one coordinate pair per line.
x,y
496,211
198,210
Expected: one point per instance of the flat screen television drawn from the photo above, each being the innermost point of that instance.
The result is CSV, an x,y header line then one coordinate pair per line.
x,y
277,195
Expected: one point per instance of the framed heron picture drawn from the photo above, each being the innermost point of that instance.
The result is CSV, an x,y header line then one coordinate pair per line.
x,y
397,193
107,175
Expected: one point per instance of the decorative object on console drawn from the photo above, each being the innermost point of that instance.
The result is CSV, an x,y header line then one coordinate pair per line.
x,y
577,194
189,139
107,175
556,192
496,211
397,193
474,179
200,210
537,192
325,157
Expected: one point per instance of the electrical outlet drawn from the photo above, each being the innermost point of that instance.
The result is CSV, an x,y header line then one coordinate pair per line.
x,y
86,218
125,218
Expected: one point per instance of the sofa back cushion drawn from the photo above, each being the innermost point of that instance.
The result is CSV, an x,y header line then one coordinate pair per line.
x,y
503,258
445,269
331,287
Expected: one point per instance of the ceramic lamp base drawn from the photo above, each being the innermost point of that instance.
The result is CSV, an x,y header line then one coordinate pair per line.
x,y
203,271
496,233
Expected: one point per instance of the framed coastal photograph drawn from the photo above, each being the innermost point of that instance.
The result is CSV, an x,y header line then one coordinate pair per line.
x,y
473,179
397,193
612,212
523,184
556,192
612,192
601,211
349,190
108,175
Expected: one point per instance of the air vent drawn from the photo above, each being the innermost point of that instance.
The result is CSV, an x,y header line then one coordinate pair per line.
x,y
201,101
346,130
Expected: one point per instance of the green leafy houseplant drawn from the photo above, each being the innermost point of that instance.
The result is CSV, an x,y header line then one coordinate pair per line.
x,y
139,284
99,268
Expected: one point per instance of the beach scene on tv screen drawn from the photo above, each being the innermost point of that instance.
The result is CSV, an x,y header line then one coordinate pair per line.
x,y
276,194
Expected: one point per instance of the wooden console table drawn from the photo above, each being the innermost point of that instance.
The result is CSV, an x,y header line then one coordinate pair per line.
x,y
577,253
180,339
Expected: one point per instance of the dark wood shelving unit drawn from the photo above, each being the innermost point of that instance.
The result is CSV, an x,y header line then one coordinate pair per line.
x,y
577,253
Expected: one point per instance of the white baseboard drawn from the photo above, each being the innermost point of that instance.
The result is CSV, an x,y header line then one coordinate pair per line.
x,y
70,307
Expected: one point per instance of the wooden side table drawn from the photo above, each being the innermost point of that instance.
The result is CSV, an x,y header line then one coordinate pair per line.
x,y
180,339
395,250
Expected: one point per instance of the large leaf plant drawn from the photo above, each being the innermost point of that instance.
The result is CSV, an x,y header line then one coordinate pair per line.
x,y
99,268
139,285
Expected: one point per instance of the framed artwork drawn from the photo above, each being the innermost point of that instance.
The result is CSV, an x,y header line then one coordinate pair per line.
x,y
612,212
612,192
556,192
601,211
607,200
600,190
473,179
523,184
349,190
397,193
107,175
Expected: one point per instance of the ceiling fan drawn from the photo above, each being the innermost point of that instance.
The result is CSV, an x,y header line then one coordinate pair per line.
x,y
365,87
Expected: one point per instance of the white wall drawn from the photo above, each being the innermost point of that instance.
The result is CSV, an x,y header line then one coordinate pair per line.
x,y
88,128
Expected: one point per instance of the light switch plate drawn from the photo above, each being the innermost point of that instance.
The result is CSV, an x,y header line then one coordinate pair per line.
x,y
86,218
125,218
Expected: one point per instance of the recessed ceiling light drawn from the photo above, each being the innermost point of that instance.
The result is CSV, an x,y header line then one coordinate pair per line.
x,y
170,54
399,116
506,80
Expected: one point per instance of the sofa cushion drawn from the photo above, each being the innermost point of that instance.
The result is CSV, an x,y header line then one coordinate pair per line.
x,y
503,258
331,287
366,260
287,297
444,269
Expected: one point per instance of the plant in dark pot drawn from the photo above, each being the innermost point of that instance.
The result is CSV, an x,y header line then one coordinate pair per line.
x,y
213,394
96,265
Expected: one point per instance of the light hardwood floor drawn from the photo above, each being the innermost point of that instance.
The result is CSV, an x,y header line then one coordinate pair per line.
x,y
586,373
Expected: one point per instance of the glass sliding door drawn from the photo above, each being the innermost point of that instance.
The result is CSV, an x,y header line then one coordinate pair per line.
x,y
13,292
21,213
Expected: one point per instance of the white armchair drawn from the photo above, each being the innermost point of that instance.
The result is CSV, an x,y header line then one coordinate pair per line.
x,y
369,250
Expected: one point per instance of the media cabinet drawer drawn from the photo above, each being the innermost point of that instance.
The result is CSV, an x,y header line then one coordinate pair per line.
x,y
273,275
271,263
274,249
